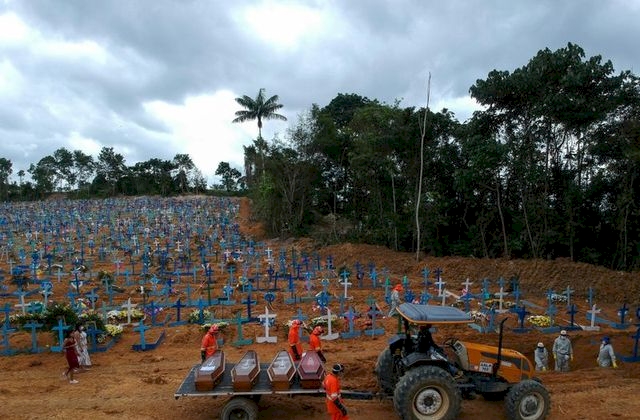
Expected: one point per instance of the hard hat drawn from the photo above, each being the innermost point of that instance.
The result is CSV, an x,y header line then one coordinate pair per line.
x,y
605,339
541,344
318,330
563,332
337,368
398,287
214,329
296,322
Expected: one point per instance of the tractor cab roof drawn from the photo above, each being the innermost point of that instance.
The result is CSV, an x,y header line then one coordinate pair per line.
x,y
431,314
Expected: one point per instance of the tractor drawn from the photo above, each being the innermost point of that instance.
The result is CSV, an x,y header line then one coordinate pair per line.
x,y
428,381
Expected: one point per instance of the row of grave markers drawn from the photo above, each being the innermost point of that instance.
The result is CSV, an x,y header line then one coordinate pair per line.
x,y
50,234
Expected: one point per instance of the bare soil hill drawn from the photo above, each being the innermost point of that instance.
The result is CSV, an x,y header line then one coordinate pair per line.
x,y
141,385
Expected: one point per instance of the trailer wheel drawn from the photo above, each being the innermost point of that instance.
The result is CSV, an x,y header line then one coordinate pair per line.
x,y
427,393
239,408
527,400
385,372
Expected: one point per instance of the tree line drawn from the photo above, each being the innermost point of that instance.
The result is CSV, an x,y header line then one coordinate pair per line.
x,y
81,176
549,168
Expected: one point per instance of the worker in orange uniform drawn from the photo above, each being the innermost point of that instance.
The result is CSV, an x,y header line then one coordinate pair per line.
x,y
209,343
314,342
295,349
331,384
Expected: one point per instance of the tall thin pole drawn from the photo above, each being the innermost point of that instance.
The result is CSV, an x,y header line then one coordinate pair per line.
x,y
423,132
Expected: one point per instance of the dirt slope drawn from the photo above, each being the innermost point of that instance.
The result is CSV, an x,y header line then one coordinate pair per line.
x,y
140,385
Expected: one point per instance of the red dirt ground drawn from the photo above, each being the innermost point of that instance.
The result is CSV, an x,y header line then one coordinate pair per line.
x,y
141,385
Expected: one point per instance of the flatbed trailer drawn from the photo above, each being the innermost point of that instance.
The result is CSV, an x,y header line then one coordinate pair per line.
x,y
243,404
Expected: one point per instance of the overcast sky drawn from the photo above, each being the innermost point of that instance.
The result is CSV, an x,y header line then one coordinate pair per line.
x,y
155,78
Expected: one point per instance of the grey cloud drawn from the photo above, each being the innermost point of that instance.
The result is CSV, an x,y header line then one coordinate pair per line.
x,y
169,50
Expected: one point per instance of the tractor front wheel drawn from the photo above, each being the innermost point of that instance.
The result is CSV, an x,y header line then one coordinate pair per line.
x,y
427,393
527,400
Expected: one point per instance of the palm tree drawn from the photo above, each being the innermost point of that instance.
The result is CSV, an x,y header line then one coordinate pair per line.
x,y
258,109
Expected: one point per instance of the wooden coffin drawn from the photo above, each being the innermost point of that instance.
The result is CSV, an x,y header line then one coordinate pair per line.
x,y
244,375
281,371
311,370
210,372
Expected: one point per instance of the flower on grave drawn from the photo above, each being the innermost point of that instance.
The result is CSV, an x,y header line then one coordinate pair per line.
x,y
541,321
153,311
122,315
478,317
21,319
221,326
113,330
555,297
322,320
194,316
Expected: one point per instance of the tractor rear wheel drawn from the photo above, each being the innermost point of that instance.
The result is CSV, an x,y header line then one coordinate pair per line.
x,y
527,400
384,371
427,393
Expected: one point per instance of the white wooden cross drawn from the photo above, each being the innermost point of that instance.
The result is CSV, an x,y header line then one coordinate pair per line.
x,y
178,249
22,304
269,251
593,312
266,319
346,285
129,306
501,294
440,285
444,297
330,334
467,286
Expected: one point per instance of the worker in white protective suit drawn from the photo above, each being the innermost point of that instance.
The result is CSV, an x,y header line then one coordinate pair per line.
x,y
541,357
606,355
562,352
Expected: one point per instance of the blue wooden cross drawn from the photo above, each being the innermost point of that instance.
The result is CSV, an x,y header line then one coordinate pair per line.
x,y
387,294
425,296
374,278
34,326
350,316
373,314
240,341
622,312
551,312
323,300
209,287
572,312
516,295
634,356
405,282
227,292
6,345
425,277
307,282
60,328
522,312
7,319
141,328
249,302
200,311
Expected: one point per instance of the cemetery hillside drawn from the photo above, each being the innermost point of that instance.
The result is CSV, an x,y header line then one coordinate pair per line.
x,y
525,213
149,275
